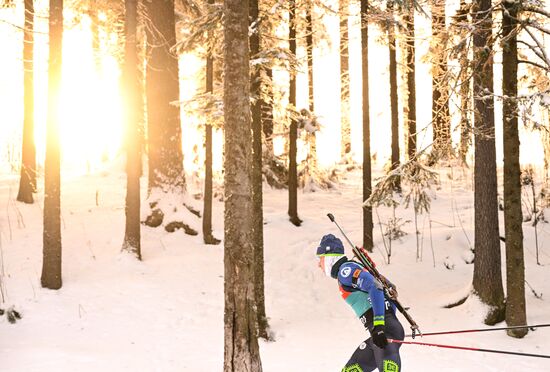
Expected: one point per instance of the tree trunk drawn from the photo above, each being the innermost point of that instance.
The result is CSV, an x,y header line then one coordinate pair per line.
x,y
27,182
51,265
487,281
345,128
257,176
166,174
515,267
293,134
464,91
311,137
367,176
94,28
131,86
267,114
408,20
207,235
393,99
164,127
241,350
440,89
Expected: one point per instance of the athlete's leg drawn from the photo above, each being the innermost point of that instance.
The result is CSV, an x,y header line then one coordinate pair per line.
x,y
362,359
388,359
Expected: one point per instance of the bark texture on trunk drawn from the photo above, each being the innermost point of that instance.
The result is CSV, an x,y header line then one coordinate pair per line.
x,y
51,265
27,182
515,266
367,168
311,137
487,281
293,135
163,117
207,235
464,77
410,108
257,176
392,46
241,350
131,86
441,123
345,129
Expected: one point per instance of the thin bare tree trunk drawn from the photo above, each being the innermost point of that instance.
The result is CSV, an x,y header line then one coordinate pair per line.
x,y
94,28
293,135
257,175
367,176
393,99
207,235
440,88
408,20
344,78
515,266
27,182
464,91
131,86
267,114
311,137
51,265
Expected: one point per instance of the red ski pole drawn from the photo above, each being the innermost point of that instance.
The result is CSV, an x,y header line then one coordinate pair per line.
x,y
531,327
468,348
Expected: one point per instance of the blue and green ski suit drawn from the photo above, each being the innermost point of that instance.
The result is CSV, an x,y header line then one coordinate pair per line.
x,y
365,295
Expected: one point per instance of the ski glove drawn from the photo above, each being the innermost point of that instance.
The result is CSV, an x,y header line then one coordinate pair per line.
x,y
379,337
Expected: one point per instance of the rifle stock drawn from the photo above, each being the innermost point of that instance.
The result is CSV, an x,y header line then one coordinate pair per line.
x,y
369,264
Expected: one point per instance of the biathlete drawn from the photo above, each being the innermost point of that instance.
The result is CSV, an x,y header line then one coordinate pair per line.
x,y
365,295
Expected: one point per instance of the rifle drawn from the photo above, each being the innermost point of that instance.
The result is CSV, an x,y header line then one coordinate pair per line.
x,y
389,290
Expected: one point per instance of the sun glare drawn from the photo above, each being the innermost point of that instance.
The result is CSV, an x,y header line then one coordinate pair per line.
x,y
91,118
90,114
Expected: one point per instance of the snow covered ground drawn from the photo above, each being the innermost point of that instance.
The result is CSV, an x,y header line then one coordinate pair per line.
x,y
166,313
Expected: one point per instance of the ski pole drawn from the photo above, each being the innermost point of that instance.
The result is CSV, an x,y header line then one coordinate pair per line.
x,y
468,348
369,264
532,327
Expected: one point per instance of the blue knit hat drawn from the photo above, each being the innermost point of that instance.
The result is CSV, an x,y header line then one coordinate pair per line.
x,y
330,245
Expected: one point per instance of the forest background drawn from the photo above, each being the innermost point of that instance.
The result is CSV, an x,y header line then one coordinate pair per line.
x,y
448,95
